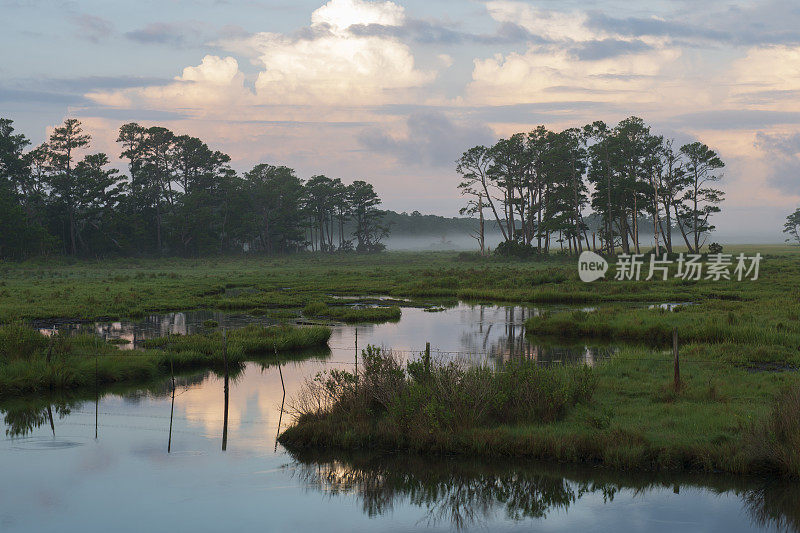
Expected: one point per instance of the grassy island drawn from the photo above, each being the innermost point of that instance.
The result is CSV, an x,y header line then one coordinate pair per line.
x,y
32,363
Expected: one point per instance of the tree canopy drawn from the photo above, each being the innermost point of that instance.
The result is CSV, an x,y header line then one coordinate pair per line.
x,y
178,197
539,186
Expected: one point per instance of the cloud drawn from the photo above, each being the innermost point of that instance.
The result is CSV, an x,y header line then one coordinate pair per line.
x,y
132,115
92,28
428,32
756,24
162,33
607,48
210,87
68,91
577,62
341,14
185,34
82,84
736,119
763,69
783,153
551,74
551,25
335,66
40,97
431,138
651,26
322,65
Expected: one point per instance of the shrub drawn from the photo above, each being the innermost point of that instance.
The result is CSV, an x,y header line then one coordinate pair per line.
x,y
513,249
414,400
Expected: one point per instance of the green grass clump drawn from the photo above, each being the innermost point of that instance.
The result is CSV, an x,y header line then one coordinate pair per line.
x,y
405,405
18,341
773,445
247,341
352,314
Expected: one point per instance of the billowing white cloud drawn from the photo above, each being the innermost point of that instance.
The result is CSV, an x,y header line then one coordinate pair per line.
x,y
333,66
582,62
544,74
324,65
341,14
208,88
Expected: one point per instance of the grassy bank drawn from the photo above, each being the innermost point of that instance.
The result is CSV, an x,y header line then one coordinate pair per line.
x,y
114,289
352,314
31,363
630,418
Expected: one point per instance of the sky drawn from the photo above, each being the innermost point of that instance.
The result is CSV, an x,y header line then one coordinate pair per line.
x,y
393,92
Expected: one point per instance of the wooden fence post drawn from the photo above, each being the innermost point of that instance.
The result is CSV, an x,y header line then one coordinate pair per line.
x,y
677,360
427,357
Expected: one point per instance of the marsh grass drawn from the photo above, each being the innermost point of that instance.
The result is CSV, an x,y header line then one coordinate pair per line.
x,y
390,401
352,314
700,323
634,420
773,445
17,341
114,289
82,361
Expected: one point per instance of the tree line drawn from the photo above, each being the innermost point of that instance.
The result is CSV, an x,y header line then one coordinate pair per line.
x,y
538,186
179,197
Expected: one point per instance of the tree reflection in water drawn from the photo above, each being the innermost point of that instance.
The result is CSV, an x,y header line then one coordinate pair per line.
x,y
22,418
467,492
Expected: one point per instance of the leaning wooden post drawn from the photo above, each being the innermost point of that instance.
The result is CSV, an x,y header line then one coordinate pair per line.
x,y
677,359
283,399
427,357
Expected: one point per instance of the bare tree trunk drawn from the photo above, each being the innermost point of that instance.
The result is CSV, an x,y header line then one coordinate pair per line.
x,y
636,224
480,216
683,231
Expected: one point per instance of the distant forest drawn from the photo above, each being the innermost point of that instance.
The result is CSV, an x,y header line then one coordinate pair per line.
x,y
179,197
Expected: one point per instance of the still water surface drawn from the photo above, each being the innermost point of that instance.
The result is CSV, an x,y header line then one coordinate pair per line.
x,y
139,460
468,331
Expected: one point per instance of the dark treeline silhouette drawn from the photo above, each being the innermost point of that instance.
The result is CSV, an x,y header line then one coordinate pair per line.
x,y
180,197
536,187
